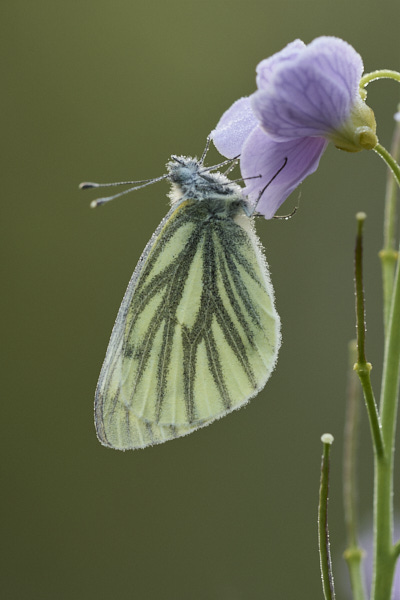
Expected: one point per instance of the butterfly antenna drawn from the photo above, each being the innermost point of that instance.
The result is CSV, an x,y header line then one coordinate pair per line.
x,y
228,161
294,211
286,217
241,179
231,166
137,186
206,149
270,181
86,185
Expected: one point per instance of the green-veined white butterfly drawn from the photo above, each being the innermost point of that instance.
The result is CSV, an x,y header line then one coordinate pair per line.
x,y
197,334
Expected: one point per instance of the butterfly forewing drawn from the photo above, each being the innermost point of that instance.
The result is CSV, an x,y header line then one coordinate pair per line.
x,y
197,333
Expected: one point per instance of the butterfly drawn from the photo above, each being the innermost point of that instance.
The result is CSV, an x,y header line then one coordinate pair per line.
x,y
197,334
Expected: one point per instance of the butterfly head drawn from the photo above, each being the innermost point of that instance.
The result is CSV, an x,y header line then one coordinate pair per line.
x,y
191,179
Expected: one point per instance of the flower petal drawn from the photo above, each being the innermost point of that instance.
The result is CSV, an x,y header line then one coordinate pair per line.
x,y
233,128
261,155
339,60
311,94
266,68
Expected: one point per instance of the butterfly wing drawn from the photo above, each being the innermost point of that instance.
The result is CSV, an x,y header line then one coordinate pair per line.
x,y
196,336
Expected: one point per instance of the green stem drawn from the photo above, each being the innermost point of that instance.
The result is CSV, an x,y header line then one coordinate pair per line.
x,y
390,161
388,254
381,74
323,532
362,367
389,237
385,553
353,553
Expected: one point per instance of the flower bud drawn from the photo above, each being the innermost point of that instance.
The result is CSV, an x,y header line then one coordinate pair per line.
x,y
358,132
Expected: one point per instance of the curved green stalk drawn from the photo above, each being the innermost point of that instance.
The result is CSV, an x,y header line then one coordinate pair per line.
x,y
381,74
390,161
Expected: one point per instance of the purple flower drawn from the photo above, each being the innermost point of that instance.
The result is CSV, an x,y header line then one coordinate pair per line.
x,y
307,96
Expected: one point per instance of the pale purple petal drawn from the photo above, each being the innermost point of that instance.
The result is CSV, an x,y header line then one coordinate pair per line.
x,y
233,128
339,60
311,94
261,155
265,69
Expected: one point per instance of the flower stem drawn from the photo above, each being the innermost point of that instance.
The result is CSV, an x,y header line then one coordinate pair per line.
x,y
389,237
389,160
381,74
388,254
362,367
353,553
323,531
386,553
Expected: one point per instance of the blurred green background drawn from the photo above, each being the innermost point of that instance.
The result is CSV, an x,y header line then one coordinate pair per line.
x,y
97,90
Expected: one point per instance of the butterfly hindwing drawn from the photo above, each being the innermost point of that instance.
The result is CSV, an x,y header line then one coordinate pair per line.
x,y
197,333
